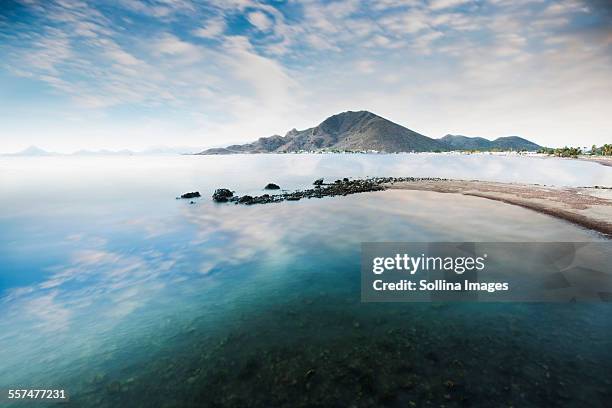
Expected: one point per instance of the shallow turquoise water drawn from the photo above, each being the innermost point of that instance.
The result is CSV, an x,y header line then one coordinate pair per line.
x,y
122,295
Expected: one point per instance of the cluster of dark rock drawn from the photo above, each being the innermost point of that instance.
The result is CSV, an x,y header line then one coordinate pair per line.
x,y
222,195
194,194
321,189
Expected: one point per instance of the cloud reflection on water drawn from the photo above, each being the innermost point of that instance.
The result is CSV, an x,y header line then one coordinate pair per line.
x,y
101,288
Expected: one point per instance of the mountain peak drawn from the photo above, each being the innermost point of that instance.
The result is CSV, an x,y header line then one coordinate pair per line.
x,y
33,151
366,131
291,133
349,116
345,121
515,138
356,114
346,131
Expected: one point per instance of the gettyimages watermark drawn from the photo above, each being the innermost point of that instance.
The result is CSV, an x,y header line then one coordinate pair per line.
x,y
486,271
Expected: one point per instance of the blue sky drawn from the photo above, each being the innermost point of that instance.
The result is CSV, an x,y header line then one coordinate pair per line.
x,y
136,73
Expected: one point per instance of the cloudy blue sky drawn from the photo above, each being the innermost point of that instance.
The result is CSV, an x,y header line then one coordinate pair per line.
x,y
135,73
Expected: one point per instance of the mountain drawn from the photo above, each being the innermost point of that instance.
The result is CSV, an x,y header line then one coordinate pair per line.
x,y
169,150
362,131
32,151
353,131
459,142
151,151
515,143
103,152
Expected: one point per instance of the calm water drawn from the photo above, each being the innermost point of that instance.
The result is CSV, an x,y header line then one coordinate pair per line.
x,y
120,294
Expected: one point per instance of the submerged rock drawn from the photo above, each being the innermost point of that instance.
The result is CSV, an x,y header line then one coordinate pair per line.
x,y
193,194
114,387
222,195
272,186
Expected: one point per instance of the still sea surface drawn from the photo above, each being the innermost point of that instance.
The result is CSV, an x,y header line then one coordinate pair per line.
x,y
118,293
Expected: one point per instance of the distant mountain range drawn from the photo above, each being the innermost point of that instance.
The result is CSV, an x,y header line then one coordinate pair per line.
x,y
34,151
346,131
365,131
459,142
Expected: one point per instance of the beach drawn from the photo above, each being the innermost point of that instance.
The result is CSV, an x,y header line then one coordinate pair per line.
x,y
603,160
589,207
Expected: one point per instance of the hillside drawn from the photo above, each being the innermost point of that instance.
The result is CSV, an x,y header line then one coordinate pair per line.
x,y
459,142
354,131
365,131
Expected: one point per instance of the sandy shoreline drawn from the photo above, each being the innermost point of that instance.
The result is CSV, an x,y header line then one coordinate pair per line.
x,y
603,160
589,207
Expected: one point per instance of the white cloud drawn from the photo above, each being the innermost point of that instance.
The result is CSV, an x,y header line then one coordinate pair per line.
x,y
565,7
213,28
366,66
509,44
393,4
444,4
50,52
407,23
170,44
423,43
160,9
380,41
320,43
260,20
122,57
342,9
273,86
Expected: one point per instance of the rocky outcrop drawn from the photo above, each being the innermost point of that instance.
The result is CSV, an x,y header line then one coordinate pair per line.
x,y
194,194
245,199
272,186
222,195
337,188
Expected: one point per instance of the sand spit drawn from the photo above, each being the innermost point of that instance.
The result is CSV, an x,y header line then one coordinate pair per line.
x,y
590,207
603,160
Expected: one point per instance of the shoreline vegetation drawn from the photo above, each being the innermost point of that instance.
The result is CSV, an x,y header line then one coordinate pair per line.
x,y
602,154
589,207
595,158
